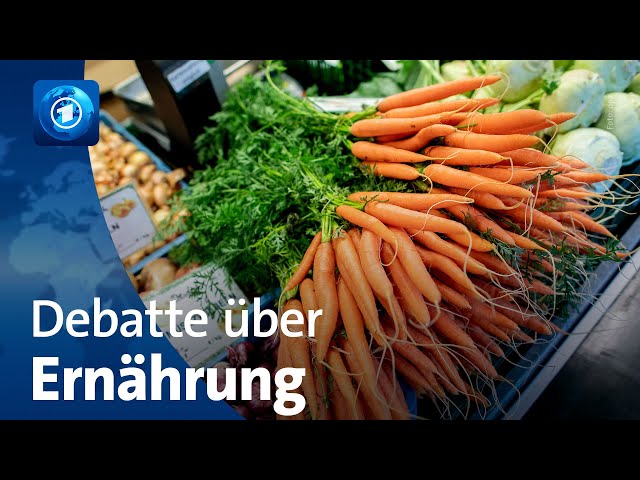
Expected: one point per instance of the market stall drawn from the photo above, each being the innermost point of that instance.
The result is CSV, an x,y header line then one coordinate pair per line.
x,y
456,220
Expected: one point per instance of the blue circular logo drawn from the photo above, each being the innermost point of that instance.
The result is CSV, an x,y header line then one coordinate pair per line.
x,y
66,112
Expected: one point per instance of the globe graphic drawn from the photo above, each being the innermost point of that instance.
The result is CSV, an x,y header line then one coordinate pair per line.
x,y
66,112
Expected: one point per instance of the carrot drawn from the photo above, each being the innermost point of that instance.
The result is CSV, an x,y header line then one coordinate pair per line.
x,y
374,152
477,220
458,178
422,138
341,410
494,263
446,327
553,205
493,316
581,220
435,243
343,381
410,295
511,175
573,162
487,325
349,265
411,375
432,107
405,218
354,233
391,170
586,177
481,199
485,341
551,121
362,366
573,193
460,156
300,358
433,260
524,242
506,122
392,392
492,143
436,92
412,201
531,216
476,242
451,296
391,138
410,259
480,362
324,280
305,264
529,157
364,220
376,127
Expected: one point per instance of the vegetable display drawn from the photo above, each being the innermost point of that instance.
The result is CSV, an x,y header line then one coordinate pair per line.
x,y
116,162
431,237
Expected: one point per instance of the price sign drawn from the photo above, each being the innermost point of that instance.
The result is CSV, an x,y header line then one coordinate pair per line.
x,y
213,290
129,222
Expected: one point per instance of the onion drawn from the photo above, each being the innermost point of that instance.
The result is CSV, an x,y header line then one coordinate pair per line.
x,y
161,194
175,176
146,192
158,273
145,172
102,188
127,148
138,158
129,170
161,214
257,406
158,177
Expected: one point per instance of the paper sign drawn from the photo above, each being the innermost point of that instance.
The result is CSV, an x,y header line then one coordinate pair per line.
x,y
197,351
129,222
187,73
343,104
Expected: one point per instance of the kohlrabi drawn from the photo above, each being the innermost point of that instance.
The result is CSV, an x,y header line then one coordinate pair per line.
x,y
617,74
523,77
621,117
597,147
577,91
454,70
634,86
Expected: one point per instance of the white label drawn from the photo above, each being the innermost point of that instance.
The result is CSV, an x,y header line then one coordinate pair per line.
x,y
128,220
343,104
186,73
197,351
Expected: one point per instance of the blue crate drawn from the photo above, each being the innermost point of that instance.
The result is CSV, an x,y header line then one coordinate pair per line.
x,y
109,121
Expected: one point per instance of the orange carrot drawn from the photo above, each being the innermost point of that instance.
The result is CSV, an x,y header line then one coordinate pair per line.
x,y
506,122
529,157
480,362
300,358
492,143
305,264
573,162
411,261
324,280
364,220
551,121
461,156
477,243
575,193
341,410
487,325
343,381
392,392
494,263
374,152
459,178
511,175
433,107
409,293
412,201
587,177
405,218
411,375
433,260
480,199
485,341
531,216
446,327
561,205
490,314
422,138
435,92
391,138
349,263
354,233
435,243
391,170
581,220
477,220
376,127
357,352
524,242
449,295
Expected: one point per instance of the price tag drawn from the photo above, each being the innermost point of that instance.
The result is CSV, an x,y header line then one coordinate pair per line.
x,y
212,290
187,73
129,222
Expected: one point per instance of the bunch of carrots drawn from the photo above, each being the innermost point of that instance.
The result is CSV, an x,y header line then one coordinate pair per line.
x,y
426,287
